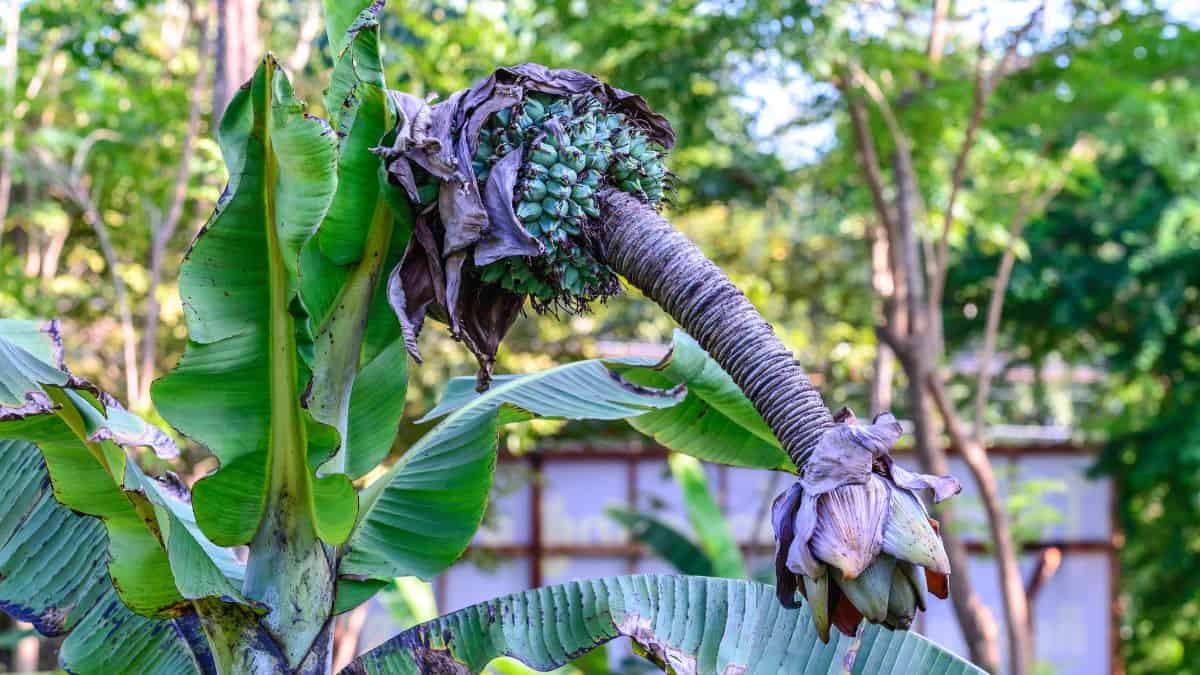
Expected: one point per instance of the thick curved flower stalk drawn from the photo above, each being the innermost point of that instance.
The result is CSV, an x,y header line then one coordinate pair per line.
x,y
546,184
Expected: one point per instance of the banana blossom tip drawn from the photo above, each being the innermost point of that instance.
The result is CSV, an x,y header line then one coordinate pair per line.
x,y
856,511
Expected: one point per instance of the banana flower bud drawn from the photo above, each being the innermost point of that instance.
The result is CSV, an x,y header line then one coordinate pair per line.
x,y
853,537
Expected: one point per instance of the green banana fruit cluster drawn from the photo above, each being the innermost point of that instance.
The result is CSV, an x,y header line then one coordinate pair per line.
x,y
573,147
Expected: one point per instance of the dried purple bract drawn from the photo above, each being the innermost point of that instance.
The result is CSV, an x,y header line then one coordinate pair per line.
x,y
853,537
481,243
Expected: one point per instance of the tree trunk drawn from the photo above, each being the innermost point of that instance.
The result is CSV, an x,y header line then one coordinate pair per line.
x,y
1012,587
12,20
124,311
643,247
238,50
884,366
160,237
978,627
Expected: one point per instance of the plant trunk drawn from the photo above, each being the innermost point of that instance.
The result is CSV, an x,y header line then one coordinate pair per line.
x,y
979,629
12,21
160,237
645,249
237,50
884,368
124,313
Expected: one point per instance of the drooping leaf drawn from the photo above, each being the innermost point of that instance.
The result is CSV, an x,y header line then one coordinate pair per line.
x,y
689,624
358,109
419,516
716,422
665,541
153,536
53,575
712,528
350,593
202,569
68,421
340,16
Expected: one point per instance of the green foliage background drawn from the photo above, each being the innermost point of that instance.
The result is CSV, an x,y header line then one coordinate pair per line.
x,y
1108,275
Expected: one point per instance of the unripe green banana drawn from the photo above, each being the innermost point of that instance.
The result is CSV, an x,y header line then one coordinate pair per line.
x,y
534,109
574,158
563,174
555,207
534,190
544,154
557,189
584,150
529,211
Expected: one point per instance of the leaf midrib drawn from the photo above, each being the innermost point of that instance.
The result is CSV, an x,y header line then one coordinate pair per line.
x,y
285,447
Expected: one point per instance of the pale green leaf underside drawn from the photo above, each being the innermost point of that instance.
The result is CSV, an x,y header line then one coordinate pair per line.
x,y
201,568
715,422
420,516
63,419
692,624
53,574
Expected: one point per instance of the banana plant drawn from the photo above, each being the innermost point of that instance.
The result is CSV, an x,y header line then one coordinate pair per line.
x,y
294,378
716,552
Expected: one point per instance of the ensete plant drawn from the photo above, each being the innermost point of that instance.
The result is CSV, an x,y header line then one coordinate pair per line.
x,y
535,182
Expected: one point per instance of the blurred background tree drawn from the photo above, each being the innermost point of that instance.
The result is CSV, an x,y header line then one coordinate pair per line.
x,y
108,166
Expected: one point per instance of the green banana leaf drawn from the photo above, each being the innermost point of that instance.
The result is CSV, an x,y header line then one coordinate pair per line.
x,y
687,624
77,429
665,541
419,516
709,523
715,422
359,361
237,388
53,574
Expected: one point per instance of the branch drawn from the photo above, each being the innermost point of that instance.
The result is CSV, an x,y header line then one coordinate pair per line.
x,y
1047,565
985,86
161,234
76,191
75,177
937,31
865,143
908,203
873,90
1016,607
996,303
957,177
901,346
179,196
